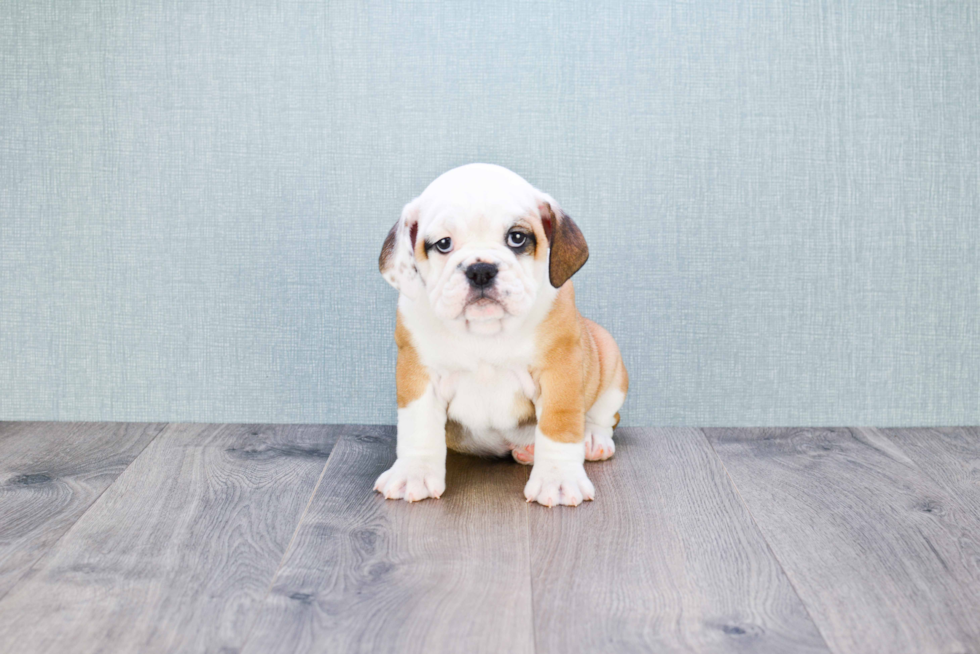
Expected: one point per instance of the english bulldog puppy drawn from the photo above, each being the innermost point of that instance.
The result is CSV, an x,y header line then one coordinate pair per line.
x,y
493,356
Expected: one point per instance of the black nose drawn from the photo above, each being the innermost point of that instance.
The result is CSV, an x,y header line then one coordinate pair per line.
x,y
481,274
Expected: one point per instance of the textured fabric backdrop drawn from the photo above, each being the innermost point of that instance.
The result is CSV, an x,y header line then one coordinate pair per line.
x,y
782,199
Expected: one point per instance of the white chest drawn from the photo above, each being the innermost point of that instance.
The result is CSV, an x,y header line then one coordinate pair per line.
x,y
489,398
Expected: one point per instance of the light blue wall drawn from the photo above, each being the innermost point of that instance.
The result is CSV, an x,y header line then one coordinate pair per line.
x,y
782,199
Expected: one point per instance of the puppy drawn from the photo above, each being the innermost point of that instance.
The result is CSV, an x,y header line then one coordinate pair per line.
x,y
493,356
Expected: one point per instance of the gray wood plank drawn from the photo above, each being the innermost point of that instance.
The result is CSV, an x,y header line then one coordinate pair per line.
x,y
365,574
854,523
177,554
666,558
950,456
50,473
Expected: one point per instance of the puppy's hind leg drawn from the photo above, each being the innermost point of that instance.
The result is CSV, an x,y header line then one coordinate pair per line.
x,y
522,444
600,421
523,454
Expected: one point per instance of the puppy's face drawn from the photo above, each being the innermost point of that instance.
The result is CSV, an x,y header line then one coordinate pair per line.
x,y
478,245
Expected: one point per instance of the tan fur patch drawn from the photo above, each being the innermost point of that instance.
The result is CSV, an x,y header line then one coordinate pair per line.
x,y
454,436
612,372
540,237
576,361
411,377
523,410
560,371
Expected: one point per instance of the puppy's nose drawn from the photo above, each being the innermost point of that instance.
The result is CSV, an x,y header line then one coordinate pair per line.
x,y
481,274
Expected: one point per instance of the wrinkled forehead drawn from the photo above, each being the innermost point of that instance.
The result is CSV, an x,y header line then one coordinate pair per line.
x,y
470,201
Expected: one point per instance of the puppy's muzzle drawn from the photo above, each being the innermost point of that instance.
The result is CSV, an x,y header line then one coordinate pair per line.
x,y
481,275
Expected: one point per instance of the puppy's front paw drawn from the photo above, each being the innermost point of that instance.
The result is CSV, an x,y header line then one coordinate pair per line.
x,y
412,480
552,484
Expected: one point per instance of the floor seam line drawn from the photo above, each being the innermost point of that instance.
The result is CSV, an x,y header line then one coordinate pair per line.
x,y
769,548
530,570
914,460
292,541
47,551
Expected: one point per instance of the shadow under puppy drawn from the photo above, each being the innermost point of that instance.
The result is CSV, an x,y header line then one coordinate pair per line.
x,y
493,356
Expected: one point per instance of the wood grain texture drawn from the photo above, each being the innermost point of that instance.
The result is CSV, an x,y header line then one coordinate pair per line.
x,y
875,548
177,554
365,574
50,473
665,559
220,538
951,458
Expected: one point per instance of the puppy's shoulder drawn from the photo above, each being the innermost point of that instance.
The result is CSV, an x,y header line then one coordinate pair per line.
x,y
565,337
559,335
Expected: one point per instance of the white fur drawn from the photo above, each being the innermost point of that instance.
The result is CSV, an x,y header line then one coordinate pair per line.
x,y
558,476
599,422
420,469
477,354
479,376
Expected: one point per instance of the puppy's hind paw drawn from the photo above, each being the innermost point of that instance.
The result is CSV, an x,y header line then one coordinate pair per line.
x,y
599,444
412,480
523,454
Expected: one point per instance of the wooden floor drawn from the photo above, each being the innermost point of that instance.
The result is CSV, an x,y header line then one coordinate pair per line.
x,y
260,538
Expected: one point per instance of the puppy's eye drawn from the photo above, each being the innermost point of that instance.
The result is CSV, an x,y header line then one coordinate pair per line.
x,y
444,245
516,239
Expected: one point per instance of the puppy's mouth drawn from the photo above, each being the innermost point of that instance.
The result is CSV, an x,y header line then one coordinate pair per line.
x,y
481,308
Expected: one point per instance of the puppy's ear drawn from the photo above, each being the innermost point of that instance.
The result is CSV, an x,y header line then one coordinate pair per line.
x,y
569,251
397,260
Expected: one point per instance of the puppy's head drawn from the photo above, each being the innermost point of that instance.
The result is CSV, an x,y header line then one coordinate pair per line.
x,y
478,245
